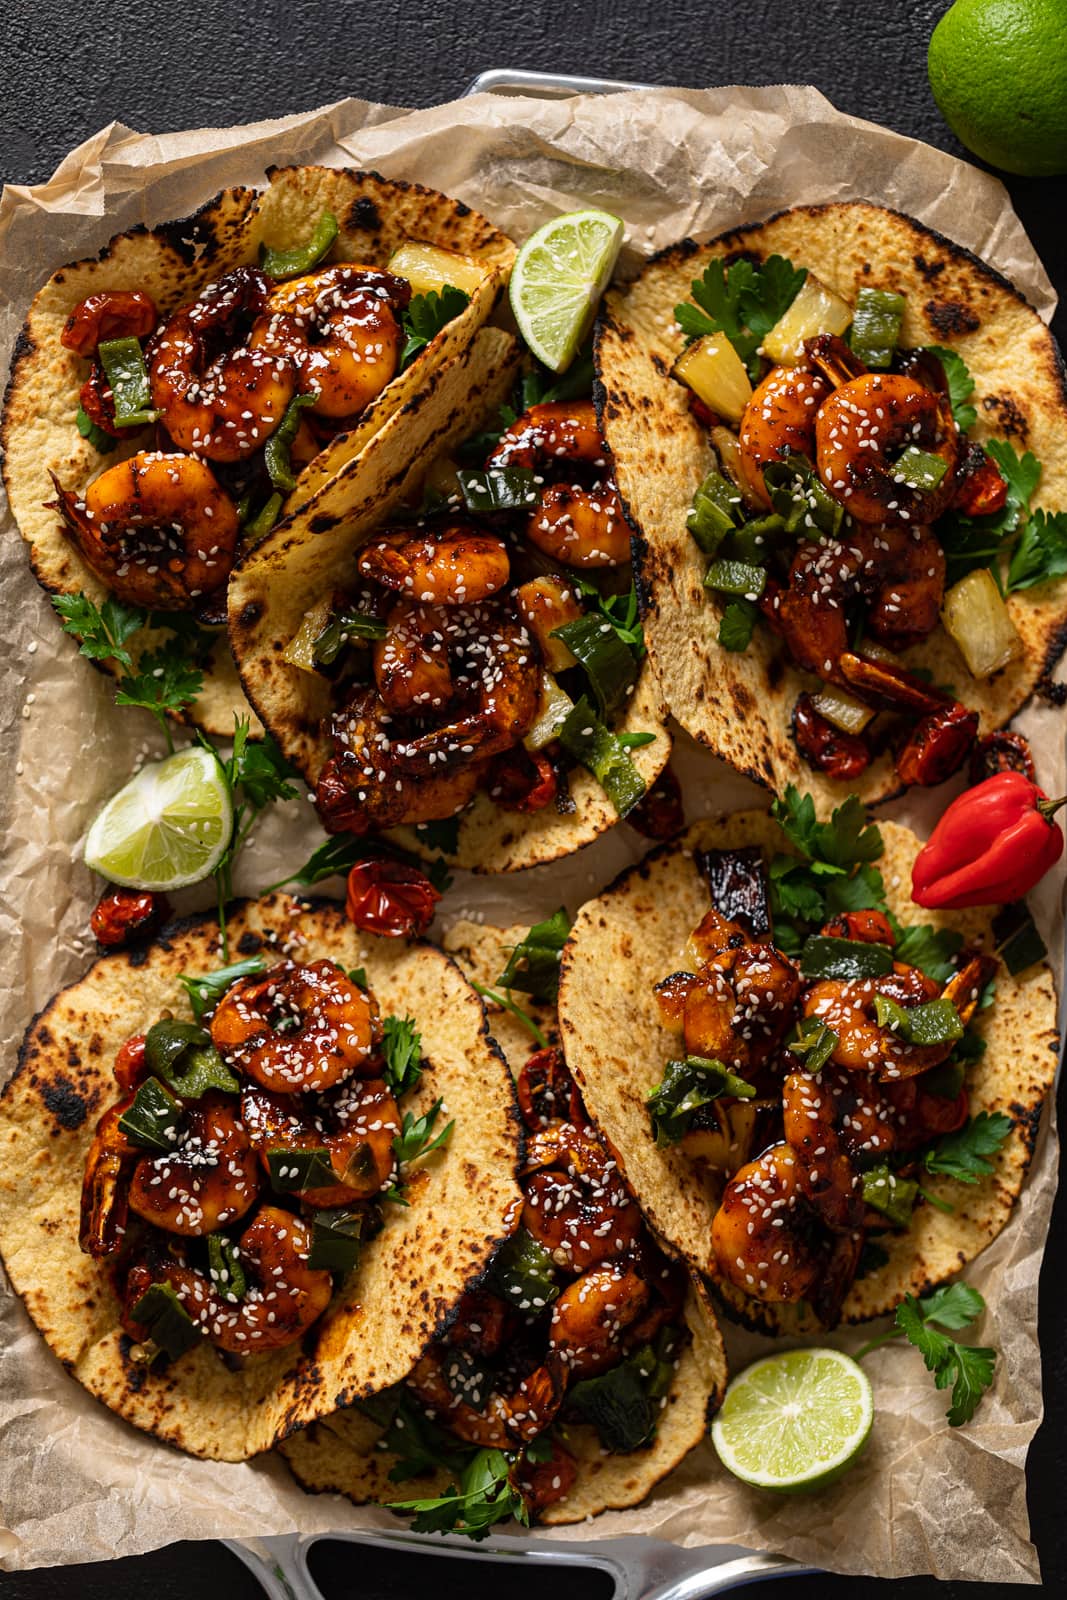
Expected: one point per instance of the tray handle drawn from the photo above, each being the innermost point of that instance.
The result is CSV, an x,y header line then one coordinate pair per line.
x,y
544,85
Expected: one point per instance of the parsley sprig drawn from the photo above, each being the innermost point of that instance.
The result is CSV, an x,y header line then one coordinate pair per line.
x,y
416,1137
484,1495
426,315
1034,542
967,1368
402,1053
963,1155
744,301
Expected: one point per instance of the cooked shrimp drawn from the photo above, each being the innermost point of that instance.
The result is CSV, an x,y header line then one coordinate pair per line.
x,y
824,1173
578,524
737,1008
482,1323
411,666
227,408
453,567
545,1482
847,1008
779,420
340,329
863,428
591,1313
355,1122
157,529
577,1202
765,1239
210,1178
498,1421
297,1027
105,1186
282,1299
109,314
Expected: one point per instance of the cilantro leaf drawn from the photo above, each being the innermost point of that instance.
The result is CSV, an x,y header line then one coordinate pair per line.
x,y
100,631
443,834
332,858
963,1155
261,770
539,386
165,680
832,847
928,948
416,1136
737,624
207,989
621,610
864,891
743,301
971,542
402,1052
426,315
1021,473
1041,553
960,385
968,1368
484,1495
954,1305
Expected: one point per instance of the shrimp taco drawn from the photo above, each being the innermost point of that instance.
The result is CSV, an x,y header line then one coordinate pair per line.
x,y
175,396
234,1200
462,660
578,1372
847,1101
840,440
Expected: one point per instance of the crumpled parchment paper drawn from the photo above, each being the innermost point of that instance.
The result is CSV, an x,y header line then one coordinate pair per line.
x,y
76,1484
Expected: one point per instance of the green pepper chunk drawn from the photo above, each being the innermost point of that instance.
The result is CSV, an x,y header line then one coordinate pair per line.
x,y
153,1121
607,662
1019,944
499,489
685,1088
124,364
263,521
524,1273
184,1057
171,1330
276,451
342,628
814,1041
302,257
714,512
894,1197
736,578
591,742
799,497
754,541
225,1269
919,469
935,1022
876,327
847,959
336,1237
295,1171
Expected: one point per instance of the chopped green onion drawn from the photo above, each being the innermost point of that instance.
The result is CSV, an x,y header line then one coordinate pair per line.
x,y
102,442
184,1057
533,966
814,1041
123,362
499,489
846,959
591,742
170,1327
295,1171
276,451
263,521
736,578
919,469
335,1240
153,1121
302,257
225,1269
609,665
894,1197
876,327
1019,944
524,1273
936,1022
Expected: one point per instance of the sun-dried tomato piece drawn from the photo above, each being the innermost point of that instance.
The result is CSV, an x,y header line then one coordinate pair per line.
x,y
1004,751
390,898
981,488
826,748
123,915
111,314
129,1068
546,1091
868,927
660,815
937,746
524,781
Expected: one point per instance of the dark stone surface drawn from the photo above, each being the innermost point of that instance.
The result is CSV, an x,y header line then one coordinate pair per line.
x,y
68,67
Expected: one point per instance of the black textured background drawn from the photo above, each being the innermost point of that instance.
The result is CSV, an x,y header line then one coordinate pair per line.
x,y
68,66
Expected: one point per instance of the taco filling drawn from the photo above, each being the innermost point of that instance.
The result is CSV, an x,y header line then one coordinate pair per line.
x,y
490,644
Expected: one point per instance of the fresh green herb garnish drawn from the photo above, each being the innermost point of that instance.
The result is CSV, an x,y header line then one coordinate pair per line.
x,y
620,610
743,301
685,1088
968,1368
618,1403
737,624
502,998
1041,553
831,847
960,386
442,834
483,1496
963,1155
813,1040
928,948
103,443
533,966
416,1137
426,315
402,1054
207,990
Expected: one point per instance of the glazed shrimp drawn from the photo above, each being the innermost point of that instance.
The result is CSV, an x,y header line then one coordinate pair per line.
x,y
861,430
824,1172
227,408
105,1186
411,667
577,1203
778,421
355,1122
297,1027
591,1313
157,529
210,1178
847,1008
454,567
764,1239
494,1419
580,525
282,1299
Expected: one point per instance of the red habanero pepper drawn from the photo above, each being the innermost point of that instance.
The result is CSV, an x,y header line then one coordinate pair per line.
x,y
390,898
992,845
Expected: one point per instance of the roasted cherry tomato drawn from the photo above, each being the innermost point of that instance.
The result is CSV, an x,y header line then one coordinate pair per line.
x,y
981,489
339,810
547,1092
660,815
542,1483
522,781
937,746
390,898
123,915
98,403
867,927
129,1068
111,314
826,748
1001,752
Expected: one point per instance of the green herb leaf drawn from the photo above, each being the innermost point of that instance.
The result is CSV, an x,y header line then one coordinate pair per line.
x,y
928,948
103,443
743,301
834,846
737,625
954,1305
960,385
963,1155
533,966
621,610
483,1496
502,998
813,1040
442,834
165,680
335,857
585,737
416,1139
618,1403
207,990
1041,553
968,1368
426,315
225,1269
101,631
685,1088
402,1054
260,769
153,1121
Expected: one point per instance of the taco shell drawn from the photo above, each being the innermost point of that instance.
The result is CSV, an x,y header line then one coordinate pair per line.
x,y
409,1276
616,1045
739,704
172,263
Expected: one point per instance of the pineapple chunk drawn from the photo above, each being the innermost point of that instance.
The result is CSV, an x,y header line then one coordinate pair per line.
x,y
975,616
300,651
727,1145
426,267
716,374
816,309
842,709
554,708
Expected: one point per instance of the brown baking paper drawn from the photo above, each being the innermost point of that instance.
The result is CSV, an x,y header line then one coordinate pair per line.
x,y
76,1484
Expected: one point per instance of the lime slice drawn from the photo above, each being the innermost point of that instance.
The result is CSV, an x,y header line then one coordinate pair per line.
x,y
794,1421
170,825
558,278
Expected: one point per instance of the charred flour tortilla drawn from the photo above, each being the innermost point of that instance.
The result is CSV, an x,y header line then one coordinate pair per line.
x,y
633,935
281,579
172,263
340,1453
739,704
409,1276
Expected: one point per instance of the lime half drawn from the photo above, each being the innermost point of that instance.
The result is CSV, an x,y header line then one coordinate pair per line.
x,y
170,825
558,278
794,1421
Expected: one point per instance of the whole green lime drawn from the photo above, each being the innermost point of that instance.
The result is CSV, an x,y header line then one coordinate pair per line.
x,y
998,69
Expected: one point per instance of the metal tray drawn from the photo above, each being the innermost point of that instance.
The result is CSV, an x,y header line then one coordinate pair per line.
x,y
641,1568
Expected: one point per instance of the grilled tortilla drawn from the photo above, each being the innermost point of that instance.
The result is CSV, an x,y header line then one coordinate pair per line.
x,y
409,1276
616,1044
739,704
173,262
276,583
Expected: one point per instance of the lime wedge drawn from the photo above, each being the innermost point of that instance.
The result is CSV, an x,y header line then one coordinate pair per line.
x,y
558,278
794,1421
168,827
